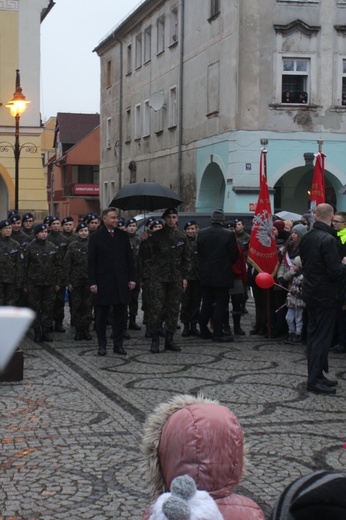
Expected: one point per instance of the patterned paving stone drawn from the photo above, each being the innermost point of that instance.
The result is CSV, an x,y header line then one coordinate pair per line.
x,y
69,433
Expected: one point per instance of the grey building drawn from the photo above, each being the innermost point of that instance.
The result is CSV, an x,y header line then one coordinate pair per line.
x,y
189,88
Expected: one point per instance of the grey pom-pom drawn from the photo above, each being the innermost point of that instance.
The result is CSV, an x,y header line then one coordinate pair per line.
x,y
176,509
183,487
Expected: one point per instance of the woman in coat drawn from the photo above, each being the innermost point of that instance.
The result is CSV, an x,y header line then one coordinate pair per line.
x,y
198,437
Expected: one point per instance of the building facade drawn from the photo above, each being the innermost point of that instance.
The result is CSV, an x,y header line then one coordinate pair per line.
x,y
20,49
73,171
188,94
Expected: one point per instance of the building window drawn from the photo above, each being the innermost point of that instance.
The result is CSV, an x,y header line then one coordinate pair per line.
x,y
105,194
109,73
214,8
174,26
138,122
146,118
172,107
343,93
147,44
108,133
112,189
213,89
129,59
128,128
295,80
138,54
160,34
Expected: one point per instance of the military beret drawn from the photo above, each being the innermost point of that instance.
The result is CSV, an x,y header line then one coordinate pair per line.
x,y
39,227
47,219
27,216
131,221
229,224
239,220
190,223
4,223
81,225
66,219
53,219
91,216
12,212
169,211
148,221
14,218
121,222
156,222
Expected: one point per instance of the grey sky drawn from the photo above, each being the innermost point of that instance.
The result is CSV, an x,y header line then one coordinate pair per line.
x,y
70,71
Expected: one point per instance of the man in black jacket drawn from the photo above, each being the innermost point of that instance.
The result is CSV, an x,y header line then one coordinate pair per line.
x,y
111,275
217,252
323,287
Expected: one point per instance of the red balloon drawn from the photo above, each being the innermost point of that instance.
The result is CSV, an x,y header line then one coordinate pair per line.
x,y
264,280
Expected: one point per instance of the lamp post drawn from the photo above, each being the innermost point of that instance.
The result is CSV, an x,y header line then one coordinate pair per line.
x,y
17,107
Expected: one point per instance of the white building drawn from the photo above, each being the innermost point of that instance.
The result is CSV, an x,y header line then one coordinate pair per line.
x,y
189,88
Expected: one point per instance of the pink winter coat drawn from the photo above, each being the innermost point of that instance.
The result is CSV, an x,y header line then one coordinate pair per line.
x,y
202,439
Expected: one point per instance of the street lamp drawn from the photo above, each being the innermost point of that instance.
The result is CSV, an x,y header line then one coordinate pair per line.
x,y
17,107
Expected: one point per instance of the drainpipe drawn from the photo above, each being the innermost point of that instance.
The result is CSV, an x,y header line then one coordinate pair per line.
x,y
120,122
181,96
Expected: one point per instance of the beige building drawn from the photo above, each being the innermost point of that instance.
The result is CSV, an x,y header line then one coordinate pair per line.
x,y
190,88
20,49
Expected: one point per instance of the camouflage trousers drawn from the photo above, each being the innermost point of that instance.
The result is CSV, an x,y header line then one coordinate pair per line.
x,y
191,302
41,299
165,298
8,294
59,305
81,305
133,305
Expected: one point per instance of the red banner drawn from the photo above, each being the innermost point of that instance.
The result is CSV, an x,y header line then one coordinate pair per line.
x,y
318,188
86,189
262,247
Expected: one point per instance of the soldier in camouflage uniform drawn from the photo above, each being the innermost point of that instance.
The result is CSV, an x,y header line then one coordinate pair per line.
x,y
18,234
93,222
28,225
11,266
135,242
76,273
170,255
43,278
144,268
67,226
191,301
57,238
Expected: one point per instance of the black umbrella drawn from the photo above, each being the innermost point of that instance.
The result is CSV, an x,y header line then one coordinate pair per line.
x,y
145,196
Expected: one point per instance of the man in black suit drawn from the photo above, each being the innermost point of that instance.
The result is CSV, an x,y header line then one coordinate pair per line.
x,y
111,275
217,252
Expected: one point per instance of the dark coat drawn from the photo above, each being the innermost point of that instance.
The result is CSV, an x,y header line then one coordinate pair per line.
x,y
110,266
324,274
217,252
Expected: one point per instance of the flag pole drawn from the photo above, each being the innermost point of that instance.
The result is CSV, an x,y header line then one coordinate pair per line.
x,y
264,143
320,144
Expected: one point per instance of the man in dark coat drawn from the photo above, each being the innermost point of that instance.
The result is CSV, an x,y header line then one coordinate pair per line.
x,y
111,274
217,252
323,289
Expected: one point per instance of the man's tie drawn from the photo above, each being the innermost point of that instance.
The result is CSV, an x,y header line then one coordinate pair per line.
x,y
111,231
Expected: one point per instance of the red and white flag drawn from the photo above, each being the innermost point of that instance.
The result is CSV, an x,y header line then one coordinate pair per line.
x,y
318,187
262,247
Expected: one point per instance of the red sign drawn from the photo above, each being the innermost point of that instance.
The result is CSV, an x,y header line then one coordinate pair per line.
x,y
86,189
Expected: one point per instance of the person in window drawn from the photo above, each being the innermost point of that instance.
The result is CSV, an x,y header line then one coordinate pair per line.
x,y
302,97
287,97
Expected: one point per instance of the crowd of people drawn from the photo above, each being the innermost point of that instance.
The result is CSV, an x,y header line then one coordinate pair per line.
x,y
200,276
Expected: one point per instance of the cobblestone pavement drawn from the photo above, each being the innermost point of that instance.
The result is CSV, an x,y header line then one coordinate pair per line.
x,y
70,431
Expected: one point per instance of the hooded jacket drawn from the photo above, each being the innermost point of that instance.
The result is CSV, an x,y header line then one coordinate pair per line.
x,y
200,438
